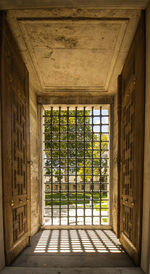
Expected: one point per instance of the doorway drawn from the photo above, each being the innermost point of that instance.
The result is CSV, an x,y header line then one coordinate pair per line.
x,y
76,165
88,204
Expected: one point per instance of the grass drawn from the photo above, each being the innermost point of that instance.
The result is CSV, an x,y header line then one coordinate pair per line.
x,y
72,199
105,220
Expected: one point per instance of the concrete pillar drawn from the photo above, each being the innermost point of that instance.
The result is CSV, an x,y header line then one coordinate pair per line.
x,y
115,167
34,152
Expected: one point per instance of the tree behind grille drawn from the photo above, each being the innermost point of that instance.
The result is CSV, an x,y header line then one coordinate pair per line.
x,y
75,125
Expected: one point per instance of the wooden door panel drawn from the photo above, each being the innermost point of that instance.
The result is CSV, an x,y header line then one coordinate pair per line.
x,y
15,144
131,147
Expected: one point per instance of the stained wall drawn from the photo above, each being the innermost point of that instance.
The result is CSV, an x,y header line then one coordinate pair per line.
x,y
35,183
115,167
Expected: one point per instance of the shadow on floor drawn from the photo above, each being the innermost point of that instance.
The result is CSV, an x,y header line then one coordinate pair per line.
x,y
74,248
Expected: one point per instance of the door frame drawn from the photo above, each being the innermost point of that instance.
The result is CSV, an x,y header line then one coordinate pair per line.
x,y
75,100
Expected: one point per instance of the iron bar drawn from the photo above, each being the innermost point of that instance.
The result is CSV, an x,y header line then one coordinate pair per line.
x,y
59,166
84,178
76,164
92,163
51,165
68,164
100,169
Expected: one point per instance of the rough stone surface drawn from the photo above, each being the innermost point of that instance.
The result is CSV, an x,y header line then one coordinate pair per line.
x,y
79,54
99,270
35,189
115,166
9,4
64,52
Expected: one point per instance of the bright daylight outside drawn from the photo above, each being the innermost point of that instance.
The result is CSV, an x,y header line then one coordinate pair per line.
x,y
76,165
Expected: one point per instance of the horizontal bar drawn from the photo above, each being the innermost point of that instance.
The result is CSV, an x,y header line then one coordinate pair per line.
x,y
73,191
72,183
79,142
96,166
96,207
89,149
80,124
78,116
86,199
73,132
48,227
48,175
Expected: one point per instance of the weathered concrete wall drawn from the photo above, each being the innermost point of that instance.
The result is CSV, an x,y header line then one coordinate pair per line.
x,y
115,167
102,45
2,260
145,258
35,187
21,4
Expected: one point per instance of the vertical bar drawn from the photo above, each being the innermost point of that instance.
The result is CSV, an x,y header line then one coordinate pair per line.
x,y
76,153
43,173
75,163
108,164
100,139
51,141
84,163
59,165
92,161
67,164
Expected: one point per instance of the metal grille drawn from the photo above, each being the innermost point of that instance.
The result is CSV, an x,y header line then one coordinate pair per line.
x,y
76,165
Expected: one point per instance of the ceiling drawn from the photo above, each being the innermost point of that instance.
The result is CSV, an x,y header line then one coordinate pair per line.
x,y
25,4
78,50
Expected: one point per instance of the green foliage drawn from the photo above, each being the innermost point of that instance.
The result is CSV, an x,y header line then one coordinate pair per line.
x,y
63,154
63,151
104,220
72,198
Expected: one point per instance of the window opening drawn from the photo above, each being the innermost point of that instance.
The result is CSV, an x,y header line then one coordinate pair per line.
x,y
76,165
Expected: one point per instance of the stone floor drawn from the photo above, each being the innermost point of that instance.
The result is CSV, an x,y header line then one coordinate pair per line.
x,y
74,249
99,270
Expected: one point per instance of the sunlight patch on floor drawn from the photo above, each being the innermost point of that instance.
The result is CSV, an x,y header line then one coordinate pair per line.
x,y
78,241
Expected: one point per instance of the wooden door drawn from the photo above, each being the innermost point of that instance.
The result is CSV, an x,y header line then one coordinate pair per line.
x,y
15,144
131,104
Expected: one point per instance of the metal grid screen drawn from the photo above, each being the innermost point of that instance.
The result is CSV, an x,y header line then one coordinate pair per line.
x,y
76,165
